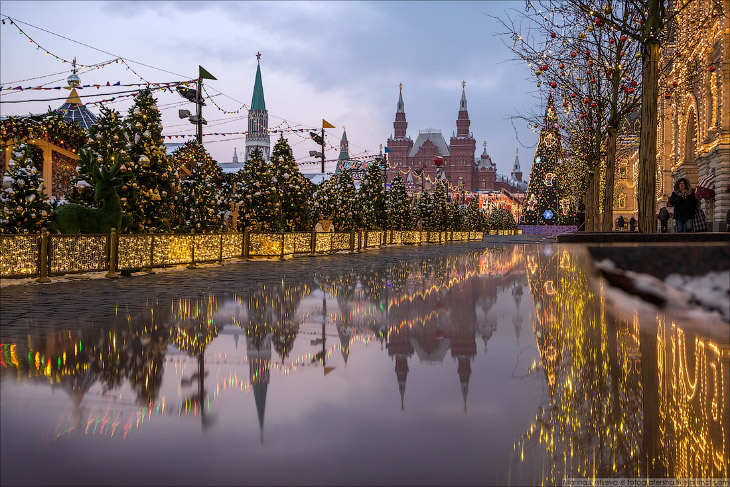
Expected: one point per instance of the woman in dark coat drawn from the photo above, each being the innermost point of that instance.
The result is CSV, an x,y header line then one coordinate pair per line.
x,y
684,202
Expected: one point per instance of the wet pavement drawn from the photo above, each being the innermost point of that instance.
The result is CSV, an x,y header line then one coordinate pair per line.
x,y
482,363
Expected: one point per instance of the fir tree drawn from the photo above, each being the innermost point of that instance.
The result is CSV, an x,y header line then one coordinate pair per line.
x,y
199,196
424,210
347,214
371,199
155,203
501,219
292,187
542,200
474,218
234,197
25,207
323,200
106,138
397,206
439,211
261,197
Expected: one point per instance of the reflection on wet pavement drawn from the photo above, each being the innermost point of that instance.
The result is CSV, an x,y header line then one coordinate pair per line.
x,y
418,371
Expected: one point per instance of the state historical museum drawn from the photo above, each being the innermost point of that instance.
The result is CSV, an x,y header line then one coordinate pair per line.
x,y
460,170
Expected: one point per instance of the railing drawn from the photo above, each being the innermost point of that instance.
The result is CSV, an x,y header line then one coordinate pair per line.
x,y
46,255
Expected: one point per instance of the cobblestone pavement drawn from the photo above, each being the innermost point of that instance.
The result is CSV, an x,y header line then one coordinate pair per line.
x,y
83,301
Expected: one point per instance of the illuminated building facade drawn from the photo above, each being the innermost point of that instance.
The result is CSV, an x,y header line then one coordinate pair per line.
x,y
693,137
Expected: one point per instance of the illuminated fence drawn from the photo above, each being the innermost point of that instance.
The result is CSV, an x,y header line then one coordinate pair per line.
x,y
19,255
46,255
78,253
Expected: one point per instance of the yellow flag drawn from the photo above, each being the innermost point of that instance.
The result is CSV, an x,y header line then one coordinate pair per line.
x,y
326,124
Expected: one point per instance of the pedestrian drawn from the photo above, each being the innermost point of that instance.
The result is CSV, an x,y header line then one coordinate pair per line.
x,y
664,218
581,217
685,203
620,223
632,224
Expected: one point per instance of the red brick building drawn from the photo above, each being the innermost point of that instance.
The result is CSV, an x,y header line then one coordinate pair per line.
x,y
461,171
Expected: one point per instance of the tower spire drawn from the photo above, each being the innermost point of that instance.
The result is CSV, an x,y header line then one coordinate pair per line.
x,y
400,125
258,118
516,171
462,120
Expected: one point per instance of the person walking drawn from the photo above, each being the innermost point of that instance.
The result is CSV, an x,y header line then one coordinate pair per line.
x,y
581,217
685,203
664,218
632,224
620,223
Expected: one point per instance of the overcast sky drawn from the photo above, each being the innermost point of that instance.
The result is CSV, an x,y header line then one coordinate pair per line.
x,y
342,61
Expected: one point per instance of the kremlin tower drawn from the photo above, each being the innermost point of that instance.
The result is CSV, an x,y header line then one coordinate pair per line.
x,y
258,119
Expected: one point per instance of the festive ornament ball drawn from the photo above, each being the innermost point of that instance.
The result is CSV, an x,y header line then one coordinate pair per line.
x,y
438,161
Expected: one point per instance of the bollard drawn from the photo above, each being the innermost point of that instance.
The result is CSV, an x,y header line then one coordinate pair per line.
x,y
365,239
112,274
149,269
313,242
192,265
281,256
220,251
246,241
43,263
352,241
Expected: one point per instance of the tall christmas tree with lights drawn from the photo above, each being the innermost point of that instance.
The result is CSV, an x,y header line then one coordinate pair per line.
x,y
262,201
322,203
155,203
542,200
292,187
199,197
346,216
397,206
24,207
474,217
371,198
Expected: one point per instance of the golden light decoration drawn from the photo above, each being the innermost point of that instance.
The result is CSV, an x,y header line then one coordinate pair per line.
x,y
77,253
19,255
134,251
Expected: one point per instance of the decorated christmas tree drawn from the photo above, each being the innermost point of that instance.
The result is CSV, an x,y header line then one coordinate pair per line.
x,y
199,197
322,203
25,208
106,138
263,208
292,186
474,216
501,219
371,198
542,200
424,211
439,211
346,215
234,197
398,206
155,202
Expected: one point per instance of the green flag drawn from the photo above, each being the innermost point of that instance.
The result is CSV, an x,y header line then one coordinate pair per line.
x,y
205,74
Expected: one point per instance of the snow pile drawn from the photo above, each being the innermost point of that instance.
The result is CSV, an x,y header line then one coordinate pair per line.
x,y
711,291
701,299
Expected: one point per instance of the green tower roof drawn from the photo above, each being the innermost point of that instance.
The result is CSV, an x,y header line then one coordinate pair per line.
x,y
257,100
